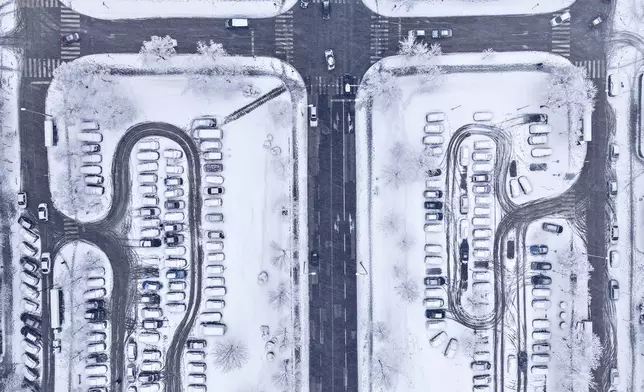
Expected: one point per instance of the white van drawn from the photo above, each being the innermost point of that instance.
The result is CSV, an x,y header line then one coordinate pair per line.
x,y
525,185
91,158
433,139
237,23
90,137
212,329
540,152
538,129
147,167
91,169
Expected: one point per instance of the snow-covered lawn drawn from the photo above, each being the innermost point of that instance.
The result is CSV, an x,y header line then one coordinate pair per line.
x,y
394,180
8,10
78,270
264,166
439,8
138,9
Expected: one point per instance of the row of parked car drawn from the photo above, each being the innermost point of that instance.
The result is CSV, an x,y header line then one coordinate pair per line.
x,y
91,138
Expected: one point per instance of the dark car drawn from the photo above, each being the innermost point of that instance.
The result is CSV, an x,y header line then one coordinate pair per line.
x,y
95,304
314,260
95,315
196,344
150,243
541,266
214,190
434,271
216,235
536,118
152,324
174,239
176,274
464,250
538,250
541,279
552,227
30,320
599,19
348,85
538,167
434,281
97,357
151,299
213,167
441,33
149,377
69,39
433,205
174,204
434,172
326,9
435,314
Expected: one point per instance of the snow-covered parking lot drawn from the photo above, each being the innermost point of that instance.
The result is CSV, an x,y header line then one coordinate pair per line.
x,y
220,247
443,156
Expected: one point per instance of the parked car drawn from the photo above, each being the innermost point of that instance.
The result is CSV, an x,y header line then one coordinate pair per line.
x,y
541,266
26,223
552,228
538,249
174,239
173,181
213,167
434,281
435,314
614,234
214,190
330,58
613,289
176,274
541,280
433,205
174,204
150,243
22,200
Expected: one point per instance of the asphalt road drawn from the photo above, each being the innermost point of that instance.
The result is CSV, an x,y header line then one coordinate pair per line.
x,y
358,38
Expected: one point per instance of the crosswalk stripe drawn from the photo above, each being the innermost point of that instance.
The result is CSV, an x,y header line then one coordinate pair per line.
x,y
379,37
560,37
38,3
596,69
69,23
40,68
284,35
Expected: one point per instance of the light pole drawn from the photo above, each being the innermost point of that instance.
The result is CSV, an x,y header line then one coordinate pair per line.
x,y
33,111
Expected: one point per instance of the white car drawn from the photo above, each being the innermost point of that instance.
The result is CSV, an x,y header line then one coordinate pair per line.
x,y
561,19
43,212
22,200
45,262
330,59
313,116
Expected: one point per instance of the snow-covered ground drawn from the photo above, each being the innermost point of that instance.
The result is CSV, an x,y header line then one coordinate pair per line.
x,y
81,271
439,8
7,16
138,9
263,163
627,208
395,232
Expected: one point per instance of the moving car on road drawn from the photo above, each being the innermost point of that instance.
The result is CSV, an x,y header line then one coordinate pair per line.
x,y
45,262
599,19
43,212
330,59
441,33
69,39
326,9
560,19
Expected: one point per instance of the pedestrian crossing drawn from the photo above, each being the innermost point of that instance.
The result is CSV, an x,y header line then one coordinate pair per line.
x,y
379,37
284,36
40,68
561,37
38,3
334,1
71,228
69,23
326,85
596,69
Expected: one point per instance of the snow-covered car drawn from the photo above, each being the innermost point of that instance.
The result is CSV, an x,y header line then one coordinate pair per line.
x,y
173,181
613,289
614,152
433,194
172,153
213,156
169,228
214,218
480,366
451,348
614,234
213,167
330,59
435,116
348,85
211,145
216,235
43,212
613,258
204,122
552,228
22,200
541,266
560,19
599,19
149,211
45,262
26,223
481,178
214,190
614,377
441,33
69,39
612,188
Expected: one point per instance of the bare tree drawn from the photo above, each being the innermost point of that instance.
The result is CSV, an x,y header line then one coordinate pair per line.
x,y
380,331
281,112
383,371
403,166
406,242
158,48
408,289
391,223
570,87
282,377
382,85
280,256
571,262
576,356
230,355
279,297
488,53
